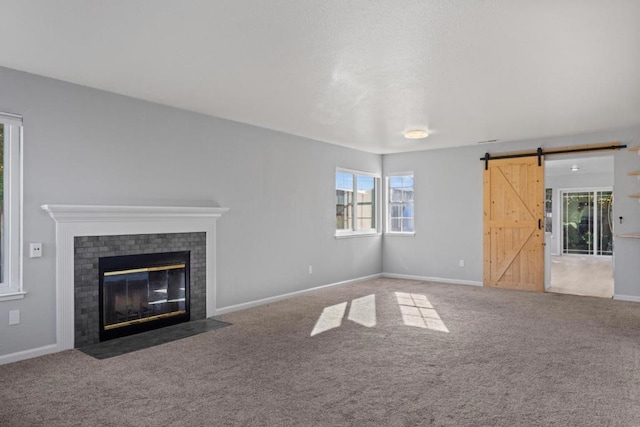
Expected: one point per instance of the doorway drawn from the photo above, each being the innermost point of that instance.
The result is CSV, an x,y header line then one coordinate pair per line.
x,y
579,214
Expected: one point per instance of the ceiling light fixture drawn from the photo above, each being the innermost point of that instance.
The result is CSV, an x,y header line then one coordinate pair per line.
x,y
416,134
575,168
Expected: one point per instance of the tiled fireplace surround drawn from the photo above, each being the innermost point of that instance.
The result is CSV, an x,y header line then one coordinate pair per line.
x,y
89,249
122,230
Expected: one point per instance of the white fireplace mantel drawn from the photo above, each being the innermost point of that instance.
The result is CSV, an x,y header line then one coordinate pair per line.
x,y
94,220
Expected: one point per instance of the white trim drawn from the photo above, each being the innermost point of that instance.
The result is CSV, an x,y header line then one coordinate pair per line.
x,y
399,173
28,354
358,172
400,233
10,296
352,234
12,118
114,213
91,220
432,279
13,193
583,189
269,300
631,298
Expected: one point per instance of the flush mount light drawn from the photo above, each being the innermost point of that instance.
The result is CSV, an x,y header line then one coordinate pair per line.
x,y
416,134
575,168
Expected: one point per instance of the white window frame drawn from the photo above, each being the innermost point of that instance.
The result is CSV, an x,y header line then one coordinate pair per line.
x,y
387,204
11,285
353,232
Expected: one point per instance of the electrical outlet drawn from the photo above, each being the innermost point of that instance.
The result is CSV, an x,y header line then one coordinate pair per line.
x,y
14,317
461,263
310,270
35,250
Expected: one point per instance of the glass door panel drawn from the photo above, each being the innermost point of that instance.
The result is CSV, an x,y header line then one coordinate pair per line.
x,y
577,222
604,225
587,222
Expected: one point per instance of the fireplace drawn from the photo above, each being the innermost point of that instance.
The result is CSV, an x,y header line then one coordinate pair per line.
x,y
85,233
142,292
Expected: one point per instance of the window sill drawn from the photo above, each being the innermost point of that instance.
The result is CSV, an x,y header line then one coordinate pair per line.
x,y
10,296
412,234
356,234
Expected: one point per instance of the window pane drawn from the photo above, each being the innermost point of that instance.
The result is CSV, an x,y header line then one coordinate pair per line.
x,y
395,195
548,209
344,207
395,181
401,203
365,207
407,224
604,225
578,223
344,181
407,210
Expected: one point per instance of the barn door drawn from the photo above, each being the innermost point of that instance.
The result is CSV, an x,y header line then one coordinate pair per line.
x,y
514,224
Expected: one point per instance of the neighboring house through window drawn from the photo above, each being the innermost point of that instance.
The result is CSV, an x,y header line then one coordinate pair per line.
x,y
356,202
10,201
400,214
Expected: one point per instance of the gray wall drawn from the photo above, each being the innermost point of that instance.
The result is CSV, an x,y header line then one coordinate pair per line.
x,y
448,193
84,146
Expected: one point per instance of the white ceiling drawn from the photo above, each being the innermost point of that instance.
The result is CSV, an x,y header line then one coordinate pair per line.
x,y
586,165
355,73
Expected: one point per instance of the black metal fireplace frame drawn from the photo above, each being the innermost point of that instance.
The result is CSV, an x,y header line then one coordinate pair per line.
x,y
124,262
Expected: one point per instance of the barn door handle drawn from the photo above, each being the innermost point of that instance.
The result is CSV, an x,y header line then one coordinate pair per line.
x,y
539,224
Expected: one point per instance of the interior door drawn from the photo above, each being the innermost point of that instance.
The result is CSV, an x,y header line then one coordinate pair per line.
x,y
514,224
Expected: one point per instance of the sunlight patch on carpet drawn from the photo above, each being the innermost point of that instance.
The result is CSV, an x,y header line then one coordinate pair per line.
x,y
330,318
416,310
363,311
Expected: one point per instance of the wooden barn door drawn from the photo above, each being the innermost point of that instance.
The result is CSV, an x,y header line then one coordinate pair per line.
x,y
514,224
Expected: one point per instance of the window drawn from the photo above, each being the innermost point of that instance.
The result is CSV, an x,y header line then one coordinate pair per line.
x,y
548,210
356,202
400,215
10,200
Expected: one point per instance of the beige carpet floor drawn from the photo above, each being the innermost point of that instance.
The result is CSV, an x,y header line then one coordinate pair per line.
x,y
383,352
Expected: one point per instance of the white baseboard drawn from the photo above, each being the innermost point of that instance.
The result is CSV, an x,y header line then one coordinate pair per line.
x,y
54,348
263,301
29,354
432,279
626,298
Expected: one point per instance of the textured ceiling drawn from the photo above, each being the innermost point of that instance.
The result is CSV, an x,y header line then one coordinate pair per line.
x,y
355,73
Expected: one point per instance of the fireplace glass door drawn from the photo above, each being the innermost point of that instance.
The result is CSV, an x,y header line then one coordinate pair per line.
x,y
143,292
